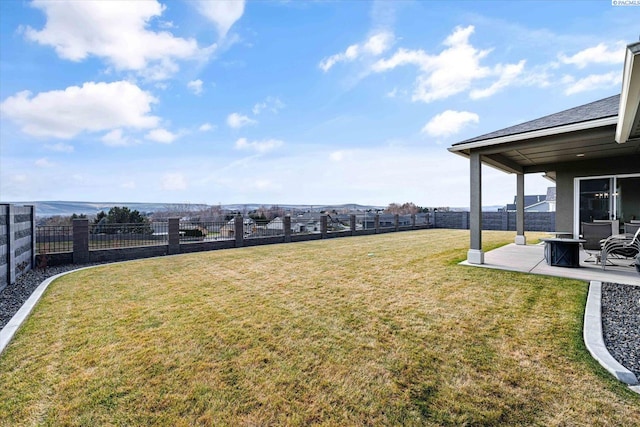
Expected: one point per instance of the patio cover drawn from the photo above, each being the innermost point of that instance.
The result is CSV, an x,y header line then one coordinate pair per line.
x,y
605,129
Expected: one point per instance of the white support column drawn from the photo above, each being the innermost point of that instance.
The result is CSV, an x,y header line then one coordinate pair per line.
x,y
475,254
521,239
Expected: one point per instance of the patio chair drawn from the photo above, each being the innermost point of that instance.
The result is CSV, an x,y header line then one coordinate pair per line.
x,y
594,233
620,247
631,227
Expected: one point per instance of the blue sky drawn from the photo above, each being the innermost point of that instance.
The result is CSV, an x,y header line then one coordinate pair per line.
x,y
286,102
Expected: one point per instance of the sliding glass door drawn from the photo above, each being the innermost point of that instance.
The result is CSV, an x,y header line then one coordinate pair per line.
x,y
612,198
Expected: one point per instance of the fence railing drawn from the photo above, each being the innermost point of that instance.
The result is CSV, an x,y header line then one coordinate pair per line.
x,y
84,243
110,236
54,239
206,231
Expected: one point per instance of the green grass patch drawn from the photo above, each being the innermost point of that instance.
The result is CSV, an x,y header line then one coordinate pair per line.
x,y
370,330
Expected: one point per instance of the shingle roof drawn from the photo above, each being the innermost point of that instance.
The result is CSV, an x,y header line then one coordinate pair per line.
x,y
607,107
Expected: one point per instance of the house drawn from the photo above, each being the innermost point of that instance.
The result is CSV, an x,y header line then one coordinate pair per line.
x,y
592,152
536,203
228,230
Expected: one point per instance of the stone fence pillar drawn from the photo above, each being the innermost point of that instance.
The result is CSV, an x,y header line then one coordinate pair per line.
x,y
286,223
174,236
352,223
396,220
376,223
323,226
239,231
80,241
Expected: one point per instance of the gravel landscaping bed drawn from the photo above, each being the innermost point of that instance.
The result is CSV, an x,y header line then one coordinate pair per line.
x,y
620,313
621,324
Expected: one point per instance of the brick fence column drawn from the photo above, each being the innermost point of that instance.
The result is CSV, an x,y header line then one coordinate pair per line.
x,y
80,241
376,223
413,220
286,223
396,219
239,231
173,229
323,226
352,223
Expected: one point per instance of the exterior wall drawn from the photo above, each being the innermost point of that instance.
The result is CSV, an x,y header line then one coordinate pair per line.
x,y
17,242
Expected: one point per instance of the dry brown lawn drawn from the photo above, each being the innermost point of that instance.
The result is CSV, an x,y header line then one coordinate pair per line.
x,y
371,330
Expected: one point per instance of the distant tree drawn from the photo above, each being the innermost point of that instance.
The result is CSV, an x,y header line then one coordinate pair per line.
x,y
134,220
407,208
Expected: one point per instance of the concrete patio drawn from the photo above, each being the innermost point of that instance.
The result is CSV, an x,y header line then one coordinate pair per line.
x,y
530,259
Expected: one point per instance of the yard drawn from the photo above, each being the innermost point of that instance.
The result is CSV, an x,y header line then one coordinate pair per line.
x,y
370,330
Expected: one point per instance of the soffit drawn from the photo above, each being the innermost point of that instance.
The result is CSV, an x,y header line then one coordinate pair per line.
x,y
540,154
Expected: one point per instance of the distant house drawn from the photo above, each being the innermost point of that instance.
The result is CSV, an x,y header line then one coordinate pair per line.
x,y
229,229
536,203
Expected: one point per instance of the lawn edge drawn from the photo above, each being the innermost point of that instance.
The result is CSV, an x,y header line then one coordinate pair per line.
x,y
593,340
7,333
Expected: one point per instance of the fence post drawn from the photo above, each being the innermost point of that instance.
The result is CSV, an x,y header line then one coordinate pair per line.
x,y
435,214
286,224
80,241
352,223
239,231
396,219
173,228
323,226
376,223
413,220
33,236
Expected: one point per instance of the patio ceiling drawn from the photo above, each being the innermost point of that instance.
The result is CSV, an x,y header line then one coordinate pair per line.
x,y
543,153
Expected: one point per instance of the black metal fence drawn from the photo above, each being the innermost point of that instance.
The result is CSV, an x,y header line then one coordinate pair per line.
x,y
111,236
54,239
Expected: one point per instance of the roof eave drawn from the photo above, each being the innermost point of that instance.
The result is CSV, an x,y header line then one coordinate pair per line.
x,y
630,95
574,127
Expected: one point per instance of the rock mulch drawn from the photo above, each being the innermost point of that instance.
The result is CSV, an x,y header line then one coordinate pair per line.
x,y
621,324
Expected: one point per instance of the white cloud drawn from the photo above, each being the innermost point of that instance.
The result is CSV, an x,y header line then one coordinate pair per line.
x,y
93,107
60,147
206,127
453,70
337,156
174,182
449,123
600,54
591,82
161,135
271,104
375,45
508,75
43,163
236,121
195,86
116,32
223,13
115,138
258,146
379,43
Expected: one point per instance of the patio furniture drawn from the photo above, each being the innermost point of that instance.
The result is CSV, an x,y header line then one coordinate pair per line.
x,y
594,233
561,252
621,246
631,227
